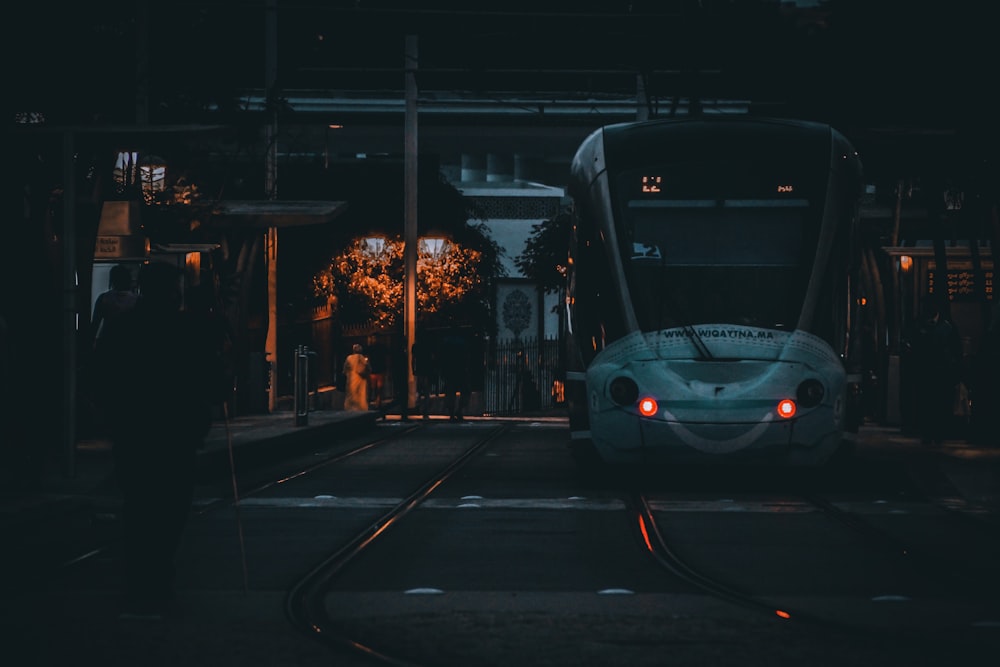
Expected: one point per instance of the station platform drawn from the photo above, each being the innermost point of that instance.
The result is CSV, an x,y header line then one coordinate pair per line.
x,y
254,438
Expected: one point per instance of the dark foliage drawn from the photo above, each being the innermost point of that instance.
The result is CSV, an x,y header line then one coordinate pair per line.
x,y
545,253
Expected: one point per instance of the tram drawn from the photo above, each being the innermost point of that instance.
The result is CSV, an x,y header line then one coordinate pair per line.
x,y
713,299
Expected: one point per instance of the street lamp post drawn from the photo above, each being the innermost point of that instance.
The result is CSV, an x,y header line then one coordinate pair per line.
x,y
410,214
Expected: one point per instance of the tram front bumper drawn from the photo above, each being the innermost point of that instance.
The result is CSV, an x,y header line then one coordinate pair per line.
x,y
810,440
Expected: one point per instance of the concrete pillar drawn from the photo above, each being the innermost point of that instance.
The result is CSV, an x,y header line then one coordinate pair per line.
x,y
451,170
641,99
499,168
527,168
473,168
893,408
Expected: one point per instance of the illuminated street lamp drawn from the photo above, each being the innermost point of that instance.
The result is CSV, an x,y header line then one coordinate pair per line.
x,y
152,176
373,245
433,245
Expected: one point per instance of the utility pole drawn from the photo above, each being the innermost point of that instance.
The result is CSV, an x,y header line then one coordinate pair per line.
x,y
897,314
641,98
69,301
410,214
271,191
142,63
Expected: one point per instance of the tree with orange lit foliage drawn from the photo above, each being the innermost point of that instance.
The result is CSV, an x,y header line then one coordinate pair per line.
x,y
367,280
444,278
362,282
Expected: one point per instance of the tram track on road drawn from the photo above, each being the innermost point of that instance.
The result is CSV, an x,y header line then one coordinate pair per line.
x,y
424,553
269,486
264,479
907,552
918,578
305,602
653,540
260,485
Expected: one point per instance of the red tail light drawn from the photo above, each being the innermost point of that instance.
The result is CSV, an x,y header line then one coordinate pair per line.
x,y
786,408
647,406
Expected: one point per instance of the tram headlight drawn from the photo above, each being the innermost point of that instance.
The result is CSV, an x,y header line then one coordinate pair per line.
x,y
623,391
810,393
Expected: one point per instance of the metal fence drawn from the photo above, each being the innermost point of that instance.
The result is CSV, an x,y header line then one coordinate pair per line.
x,y
519,376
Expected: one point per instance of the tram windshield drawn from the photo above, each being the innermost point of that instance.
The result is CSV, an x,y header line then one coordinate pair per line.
x,y
728,261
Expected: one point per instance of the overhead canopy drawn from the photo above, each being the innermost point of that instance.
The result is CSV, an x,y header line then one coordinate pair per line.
x,y
275,213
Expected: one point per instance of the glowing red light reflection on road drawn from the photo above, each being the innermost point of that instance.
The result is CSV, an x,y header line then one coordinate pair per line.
x,y
645,534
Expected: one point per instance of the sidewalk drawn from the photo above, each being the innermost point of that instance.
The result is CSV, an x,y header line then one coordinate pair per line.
x,y
970,471
255,439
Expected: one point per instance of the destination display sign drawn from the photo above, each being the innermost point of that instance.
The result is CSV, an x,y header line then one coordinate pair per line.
x,y
961,284
655,185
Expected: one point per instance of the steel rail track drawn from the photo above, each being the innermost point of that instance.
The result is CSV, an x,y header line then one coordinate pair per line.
x,y
305,602
257,488
907,554
655,543
322,463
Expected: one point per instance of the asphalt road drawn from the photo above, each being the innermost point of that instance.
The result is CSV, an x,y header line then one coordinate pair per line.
x,y
516,559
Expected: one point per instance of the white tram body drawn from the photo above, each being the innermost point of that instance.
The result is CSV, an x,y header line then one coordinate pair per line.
x,y
712,296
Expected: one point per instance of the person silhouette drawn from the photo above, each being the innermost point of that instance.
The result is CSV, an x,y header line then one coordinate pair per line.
x,y
356,373
119,298
986,384
936,348
400,379
424,369
160,370
455,374
377,360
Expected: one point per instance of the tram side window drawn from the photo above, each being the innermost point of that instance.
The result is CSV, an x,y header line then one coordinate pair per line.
x,y
831,314
597,314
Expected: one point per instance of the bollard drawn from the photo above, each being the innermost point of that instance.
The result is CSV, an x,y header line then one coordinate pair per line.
x,y
301,382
